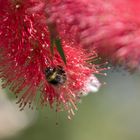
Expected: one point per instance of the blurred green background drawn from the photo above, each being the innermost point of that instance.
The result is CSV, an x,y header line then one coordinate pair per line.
x,y
111,114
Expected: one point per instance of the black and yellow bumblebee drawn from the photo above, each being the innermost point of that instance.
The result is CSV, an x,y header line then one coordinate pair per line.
x,y
55,75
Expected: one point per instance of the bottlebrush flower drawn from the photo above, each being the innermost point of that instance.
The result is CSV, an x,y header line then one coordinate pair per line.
x,y
110,26
27,66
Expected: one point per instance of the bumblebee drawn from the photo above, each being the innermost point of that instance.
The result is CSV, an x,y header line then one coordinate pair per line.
x,y
55,75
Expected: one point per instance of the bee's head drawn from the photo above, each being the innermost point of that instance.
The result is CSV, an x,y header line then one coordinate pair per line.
x,y
49,71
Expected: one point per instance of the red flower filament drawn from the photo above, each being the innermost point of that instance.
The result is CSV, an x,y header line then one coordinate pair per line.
x,y
25,57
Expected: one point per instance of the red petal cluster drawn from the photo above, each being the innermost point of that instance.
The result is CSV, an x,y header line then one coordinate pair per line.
x,y
25,55
112,26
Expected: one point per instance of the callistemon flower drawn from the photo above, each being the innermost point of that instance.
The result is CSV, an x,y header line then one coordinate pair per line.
x,y
110,26
28,67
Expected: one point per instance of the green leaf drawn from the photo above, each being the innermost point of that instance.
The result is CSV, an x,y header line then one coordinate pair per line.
x,y
60,49
52,46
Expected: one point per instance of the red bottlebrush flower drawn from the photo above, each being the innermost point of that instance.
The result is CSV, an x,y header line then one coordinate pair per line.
x,y
26,63
112,27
